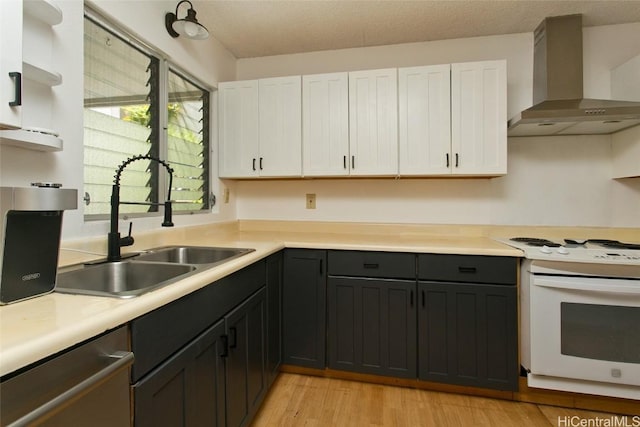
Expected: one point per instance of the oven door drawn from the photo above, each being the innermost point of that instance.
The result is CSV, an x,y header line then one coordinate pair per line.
x,y
586,328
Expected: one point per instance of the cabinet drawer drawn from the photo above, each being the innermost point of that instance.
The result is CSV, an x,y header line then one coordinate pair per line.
x,y
372,264
468,268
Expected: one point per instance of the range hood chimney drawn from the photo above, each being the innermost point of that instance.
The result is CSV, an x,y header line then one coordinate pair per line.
x,y
559,106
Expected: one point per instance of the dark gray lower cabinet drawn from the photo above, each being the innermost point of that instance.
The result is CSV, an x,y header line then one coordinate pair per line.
x,y
468,334
451,320
245,360
201,360
275,267
467,326
304,308
188,389
372,326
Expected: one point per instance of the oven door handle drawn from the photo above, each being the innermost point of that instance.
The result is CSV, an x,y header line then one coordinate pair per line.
x,y
625,287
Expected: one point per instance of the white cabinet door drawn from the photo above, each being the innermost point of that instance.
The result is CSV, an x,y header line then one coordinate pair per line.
x,y
479,118
10,62
325,124
373,122
280,126
238,129
424,95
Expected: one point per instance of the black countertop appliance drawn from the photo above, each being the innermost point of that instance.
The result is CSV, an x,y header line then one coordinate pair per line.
x,y
30,238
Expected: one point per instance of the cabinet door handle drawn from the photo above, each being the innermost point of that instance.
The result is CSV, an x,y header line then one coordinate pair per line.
x,y
321,269
447,159
225,345
344,162
17,82
353,162
457,160
260,163
411,298
423,301
254,164
234,338
371,266
467,270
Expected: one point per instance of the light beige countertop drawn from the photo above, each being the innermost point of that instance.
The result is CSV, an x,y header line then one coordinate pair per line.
x,y
34,329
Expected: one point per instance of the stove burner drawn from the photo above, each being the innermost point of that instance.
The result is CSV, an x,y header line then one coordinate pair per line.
x,y
533,241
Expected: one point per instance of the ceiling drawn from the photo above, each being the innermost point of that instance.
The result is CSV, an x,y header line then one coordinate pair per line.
x,y
270,27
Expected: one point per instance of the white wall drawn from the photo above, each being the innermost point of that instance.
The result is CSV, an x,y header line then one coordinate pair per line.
x,y
207,60
550,180
553,181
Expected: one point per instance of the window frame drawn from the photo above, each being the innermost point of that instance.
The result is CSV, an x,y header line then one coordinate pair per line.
x,y
161,145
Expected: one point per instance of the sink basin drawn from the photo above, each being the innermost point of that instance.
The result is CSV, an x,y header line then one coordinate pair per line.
x,y
193,254
123,279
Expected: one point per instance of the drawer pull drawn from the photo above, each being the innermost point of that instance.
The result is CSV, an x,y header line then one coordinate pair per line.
x,y
468,270
372,266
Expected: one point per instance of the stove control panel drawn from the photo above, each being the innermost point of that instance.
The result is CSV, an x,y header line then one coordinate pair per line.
x,y
614,256
576,253
563,253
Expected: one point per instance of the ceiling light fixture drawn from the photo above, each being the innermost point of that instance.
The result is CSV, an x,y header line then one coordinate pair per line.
x,y
187,26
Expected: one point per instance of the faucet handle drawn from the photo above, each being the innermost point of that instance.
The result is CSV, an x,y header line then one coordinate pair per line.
x,y
127,241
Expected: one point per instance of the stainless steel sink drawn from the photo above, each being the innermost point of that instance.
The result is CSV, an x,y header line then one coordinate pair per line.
x,y
123,279
193,254
151,270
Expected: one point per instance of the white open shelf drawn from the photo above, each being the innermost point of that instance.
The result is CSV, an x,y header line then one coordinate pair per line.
x,y
41,75
32,140
43,10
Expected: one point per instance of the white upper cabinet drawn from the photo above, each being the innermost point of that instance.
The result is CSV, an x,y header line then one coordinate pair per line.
x,y
260,128
325,124
479,118
452,119
280,126
434,120
27,74
424,95
373,122
625,148
238,129
11,64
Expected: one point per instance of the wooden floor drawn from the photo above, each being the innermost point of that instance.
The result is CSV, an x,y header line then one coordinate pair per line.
x,y
300,400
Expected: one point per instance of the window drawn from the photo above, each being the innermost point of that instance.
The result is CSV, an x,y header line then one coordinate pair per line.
x,y
187,153
136,103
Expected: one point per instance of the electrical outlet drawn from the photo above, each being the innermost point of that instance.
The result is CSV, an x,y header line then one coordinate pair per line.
x,y
311,201
225,195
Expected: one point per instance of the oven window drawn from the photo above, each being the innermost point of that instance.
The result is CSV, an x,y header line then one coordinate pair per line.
x,y
601,332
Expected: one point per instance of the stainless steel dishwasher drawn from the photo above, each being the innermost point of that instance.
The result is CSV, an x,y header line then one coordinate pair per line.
x,y
87,385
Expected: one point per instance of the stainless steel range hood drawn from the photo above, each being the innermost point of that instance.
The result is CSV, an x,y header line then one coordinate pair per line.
x,y
559,107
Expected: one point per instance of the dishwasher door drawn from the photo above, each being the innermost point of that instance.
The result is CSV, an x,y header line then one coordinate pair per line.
x,y
85,386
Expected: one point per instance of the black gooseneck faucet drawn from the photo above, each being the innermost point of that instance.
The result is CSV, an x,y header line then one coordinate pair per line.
x,y
114,241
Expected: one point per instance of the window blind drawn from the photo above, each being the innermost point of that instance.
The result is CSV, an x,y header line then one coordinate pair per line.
x,y
120,90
